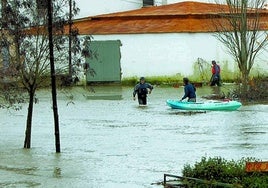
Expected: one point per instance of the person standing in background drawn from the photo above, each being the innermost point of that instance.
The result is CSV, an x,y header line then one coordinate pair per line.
x,y
216,77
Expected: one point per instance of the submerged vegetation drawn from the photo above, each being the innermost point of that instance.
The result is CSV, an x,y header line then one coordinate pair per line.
x,y
257,90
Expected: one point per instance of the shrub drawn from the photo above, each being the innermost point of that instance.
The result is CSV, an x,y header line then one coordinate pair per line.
x,y
218,172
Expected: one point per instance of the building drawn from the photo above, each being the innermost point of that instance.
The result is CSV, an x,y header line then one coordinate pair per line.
x,y
159,40
163,40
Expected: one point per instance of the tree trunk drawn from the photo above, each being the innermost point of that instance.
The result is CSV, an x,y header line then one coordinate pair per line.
x,y
70,39
53,77
245,81
28,132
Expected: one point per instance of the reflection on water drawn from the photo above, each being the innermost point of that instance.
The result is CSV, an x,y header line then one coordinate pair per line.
x,y
57,172
216,90
15,183
104,97
189,113
113,92
107,140
25,171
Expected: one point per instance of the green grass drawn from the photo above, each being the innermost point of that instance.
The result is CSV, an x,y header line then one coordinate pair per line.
x,y
155,80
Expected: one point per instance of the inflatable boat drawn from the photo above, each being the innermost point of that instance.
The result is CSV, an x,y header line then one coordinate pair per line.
x,y
226,105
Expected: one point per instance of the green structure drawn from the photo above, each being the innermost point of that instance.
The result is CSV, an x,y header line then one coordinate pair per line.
x,y
105,61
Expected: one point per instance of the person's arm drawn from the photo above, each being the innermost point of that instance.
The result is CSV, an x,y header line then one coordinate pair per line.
x,y
186,92
135,91
150,88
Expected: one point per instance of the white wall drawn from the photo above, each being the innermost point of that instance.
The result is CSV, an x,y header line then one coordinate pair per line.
x,y
169,54
96,7
160,54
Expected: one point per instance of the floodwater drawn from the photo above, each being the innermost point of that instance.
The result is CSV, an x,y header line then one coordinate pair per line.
x,y
108,141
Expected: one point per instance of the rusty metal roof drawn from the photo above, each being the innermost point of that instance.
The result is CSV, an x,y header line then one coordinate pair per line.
x,y
188,16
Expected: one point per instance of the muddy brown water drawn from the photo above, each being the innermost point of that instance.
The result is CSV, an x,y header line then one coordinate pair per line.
x,y
108,141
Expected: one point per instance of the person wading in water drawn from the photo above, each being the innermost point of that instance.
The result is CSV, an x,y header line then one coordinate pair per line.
x,y
142,89
216,77
189,91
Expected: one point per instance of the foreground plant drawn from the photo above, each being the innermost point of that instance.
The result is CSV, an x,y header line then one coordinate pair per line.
x,y
216,172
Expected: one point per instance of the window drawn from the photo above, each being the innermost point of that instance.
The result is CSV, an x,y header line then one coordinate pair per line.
x,y
148,3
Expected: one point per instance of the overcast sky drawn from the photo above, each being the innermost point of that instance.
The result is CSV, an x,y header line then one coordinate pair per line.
x,y
89,7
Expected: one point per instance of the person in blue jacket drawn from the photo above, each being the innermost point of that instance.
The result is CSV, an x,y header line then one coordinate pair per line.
x,y
142,89
189,91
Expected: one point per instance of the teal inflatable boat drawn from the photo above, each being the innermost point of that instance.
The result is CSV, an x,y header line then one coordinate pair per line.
x,y
227,105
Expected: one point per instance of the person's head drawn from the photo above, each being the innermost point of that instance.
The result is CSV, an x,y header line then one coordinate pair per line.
x,y
185,80
142,79
213,62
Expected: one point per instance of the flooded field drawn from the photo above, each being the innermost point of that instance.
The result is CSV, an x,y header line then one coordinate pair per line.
x,y
108,141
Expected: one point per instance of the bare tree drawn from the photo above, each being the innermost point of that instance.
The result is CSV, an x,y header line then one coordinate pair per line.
x,y
238,25
30,48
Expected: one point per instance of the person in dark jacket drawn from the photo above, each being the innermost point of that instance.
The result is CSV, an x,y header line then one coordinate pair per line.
x,y
142,89
216,77
189,91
